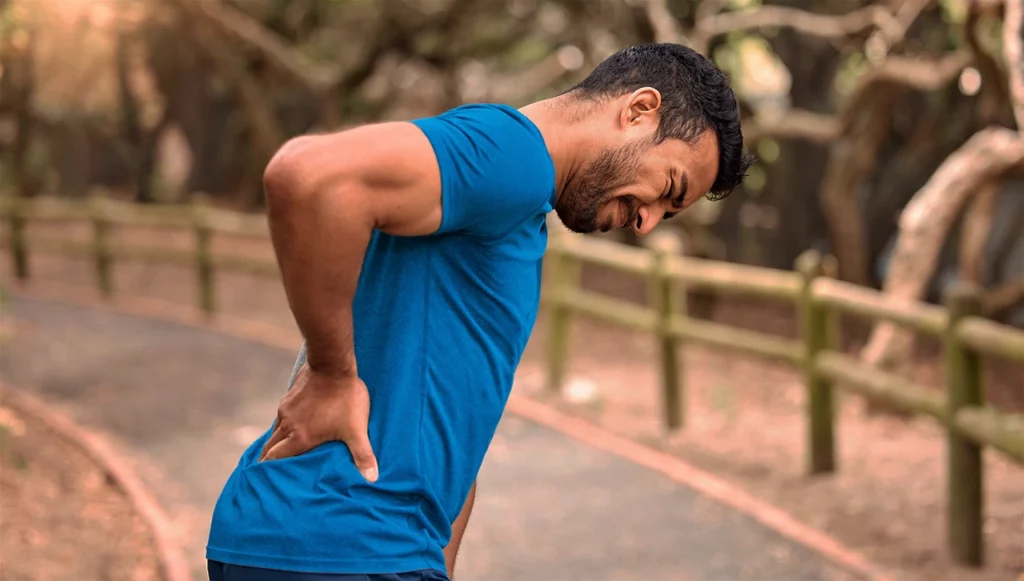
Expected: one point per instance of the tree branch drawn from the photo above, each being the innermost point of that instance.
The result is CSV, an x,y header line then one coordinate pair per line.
x,y
240,26
915,73
666,27
792,124
906,15
929,215
1013,21
257,109
528,82
870,17
926,220
1005,297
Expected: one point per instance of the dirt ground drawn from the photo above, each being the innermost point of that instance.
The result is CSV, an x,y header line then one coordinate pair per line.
x,y
745,420
63,520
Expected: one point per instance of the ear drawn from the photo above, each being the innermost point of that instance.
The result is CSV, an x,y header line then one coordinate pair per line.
x,y
641,108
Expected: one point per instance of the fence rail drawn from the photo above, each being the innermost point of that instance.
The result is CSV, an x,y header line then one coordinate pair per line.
x,y
960,408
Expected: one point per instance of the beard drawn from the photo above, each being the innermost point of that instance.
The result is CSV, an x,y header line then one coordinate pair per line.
x,y
579,205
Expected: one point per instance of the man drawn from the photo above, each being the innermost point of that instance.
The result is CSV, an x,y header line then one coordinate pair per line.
x,y
411,256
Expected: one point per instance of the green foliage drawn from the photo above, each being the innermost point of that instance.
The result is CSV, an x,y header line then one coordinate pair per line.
x,y
768,151
741,4
755,180
954,11
16,17
529,51
852,67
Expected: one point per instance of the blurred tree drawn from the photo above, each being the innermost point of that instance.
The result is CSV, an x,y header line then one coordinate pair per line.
x,y
17,85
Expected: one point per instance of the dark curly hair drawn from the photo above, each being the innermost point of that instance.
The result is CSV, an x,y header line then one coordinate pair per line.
x,y
695,97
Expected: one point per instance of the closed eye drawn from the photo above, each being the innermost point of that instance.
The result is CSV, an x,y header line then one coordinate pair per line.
x,y
677,194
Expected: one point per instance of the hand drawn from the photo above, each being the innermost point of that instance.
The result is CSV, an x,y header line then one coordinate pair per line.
x,y
319,408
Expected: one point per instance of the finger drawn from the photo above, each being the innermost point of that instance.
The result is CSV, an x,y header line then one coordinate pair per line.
x,y
362,454
286,448
276,436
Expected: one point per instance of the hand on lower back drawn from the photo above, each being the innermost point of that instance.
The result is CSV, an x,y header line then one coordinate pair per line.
x,y
319,408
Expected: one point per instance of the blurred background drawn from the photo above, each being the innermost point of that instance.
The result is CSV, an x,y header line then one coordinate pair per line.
x,y
133,134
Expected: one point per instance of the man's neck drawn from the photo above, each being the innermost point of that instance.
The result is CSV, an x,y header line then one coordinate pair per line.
x,y
568,137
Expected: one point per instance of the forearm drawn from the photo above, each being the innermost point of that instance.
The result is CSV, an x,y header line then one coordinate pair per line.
x,y
459,529
319,248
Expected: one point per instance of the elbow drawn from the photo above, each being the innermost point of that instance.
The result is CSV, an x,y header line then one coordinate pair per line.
x,y
285,178
307,177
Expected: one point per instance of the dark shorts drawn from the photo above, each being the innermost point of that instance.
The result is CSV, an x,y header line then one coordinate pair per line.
x,y
221,572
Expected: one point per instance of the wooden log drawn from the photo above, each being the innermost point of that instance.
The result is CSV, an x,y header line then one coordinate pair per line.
x,y
901,394
871,304
736,279
565,274
604,253
821,456
247,265
965,470
152,253
760,345
103,259
604,308
18,244
204,263
118,213
991,338
985,425
667,298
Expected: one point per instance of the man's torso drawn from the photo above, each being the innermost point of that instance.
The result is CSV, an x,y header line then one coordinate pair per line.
x,y
440,324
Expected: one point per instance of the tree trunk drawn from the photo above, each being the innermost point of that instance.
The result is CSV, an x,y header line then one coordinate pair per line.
x,y
974,234
852,161
18,86
907,163
141,149
793,182
925,224
258,110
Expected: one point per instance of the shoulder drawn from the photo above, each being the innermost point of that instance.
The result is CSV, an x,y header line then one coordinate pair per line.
x,y
488,129
494,163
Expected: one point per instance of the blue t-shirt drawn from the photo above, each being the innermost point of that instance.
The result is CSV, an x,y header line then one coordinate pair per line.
x,y
440,324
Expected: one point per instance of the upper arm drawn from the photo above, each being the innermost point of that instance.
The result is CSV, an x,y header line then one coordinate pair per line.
x,y
384,175
479,172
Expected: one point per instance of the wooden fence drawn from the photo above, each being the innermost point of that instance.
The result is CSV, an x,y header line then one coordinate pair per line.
x,y
970,423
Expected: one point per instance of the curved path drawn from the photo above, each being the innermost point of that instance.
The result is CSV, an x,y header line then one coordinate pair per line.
x,y
186,401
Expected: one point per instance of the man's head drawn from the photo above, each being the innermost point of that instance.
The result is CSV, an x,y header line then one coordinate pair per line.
x,y
666,131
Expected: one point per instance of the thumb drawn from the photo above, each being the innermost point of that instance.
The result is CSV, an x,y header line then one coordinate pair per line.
x,y
362,454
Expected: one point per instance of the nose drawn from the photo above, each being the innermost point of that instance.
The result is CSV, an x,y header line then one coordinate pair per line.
x,y
646,221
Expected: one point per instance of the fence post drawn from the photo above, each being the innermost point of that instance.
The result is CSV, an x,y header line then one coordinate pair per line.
x,y
102,256
816,338
565,272
666,297
19,244
830,269
204,254
964,469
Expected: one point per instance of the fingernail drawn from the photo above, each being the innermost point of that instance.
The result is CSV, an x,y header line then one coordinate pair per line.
x,y
370,474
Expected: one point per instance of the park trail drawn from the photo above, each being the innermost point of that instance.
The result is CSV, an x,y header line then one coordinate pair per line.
x,y
183,402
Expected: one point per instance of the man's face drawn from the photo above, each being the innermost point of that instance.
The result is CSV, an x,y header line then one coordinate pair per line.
x,y
638,184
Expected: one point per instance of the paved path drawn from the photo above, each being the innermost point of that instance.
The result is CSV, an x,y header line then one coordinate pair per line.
x,y
549,508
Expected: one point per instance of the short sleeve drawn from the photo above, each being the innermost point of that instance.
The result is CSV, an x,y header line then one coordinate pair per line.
x,y
495,168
